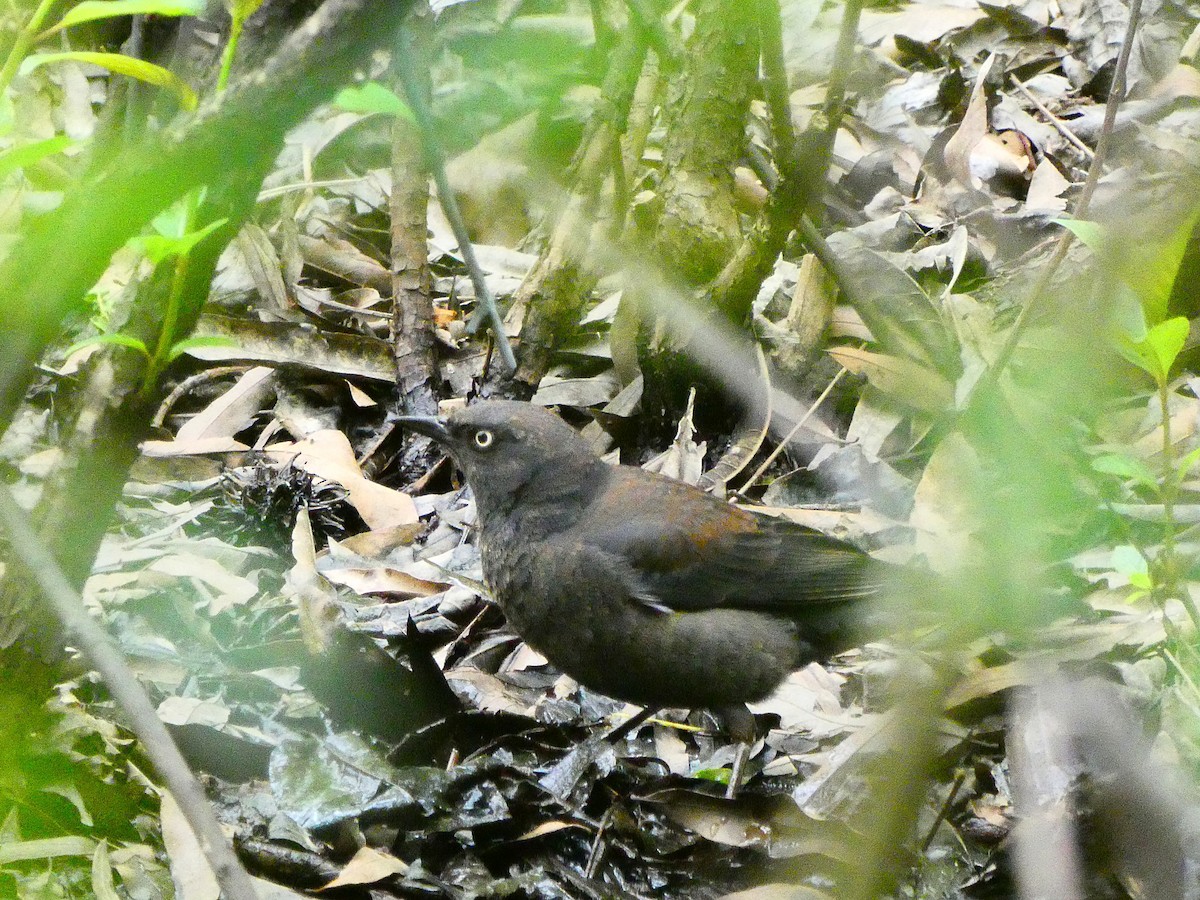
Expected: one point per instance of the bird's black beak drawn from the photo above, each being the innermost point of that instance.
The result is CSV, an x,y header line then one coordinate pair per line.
x,y
430,426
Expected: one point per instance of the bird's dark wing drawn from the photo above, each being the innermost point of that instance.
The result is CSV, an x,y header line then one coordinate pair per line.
x,y
691,551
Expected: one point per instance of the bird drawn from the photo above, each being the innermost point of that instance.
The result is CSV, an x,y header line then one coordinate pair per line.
x,y
641,587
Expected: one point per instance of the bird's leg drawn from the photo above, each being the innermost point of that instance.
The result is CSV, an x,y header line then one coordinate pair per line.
x,y
739,725
739,767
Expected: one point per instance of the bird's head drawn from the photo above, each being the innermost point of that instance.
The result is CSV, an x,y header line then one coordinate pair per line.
x,y
508,450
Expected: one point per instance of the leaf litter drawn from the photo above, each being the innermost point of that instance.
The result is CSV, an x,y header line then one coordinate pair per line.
x,y
500,780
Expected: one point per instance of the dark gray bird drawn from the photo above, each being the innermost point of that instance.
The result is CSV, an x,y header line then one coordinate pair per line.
x,y
638,586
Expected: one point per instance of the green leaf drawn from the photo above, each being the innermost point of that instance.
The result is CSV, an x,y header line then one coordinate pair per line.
x,y
91,10
720,776
181,347
121,65
22,157
1125,467
1185,464
241,10
173,222
123,340
1149,267
1090,233
158,247
900,378
1142,581
1164,341
1157,351
372,97
46,848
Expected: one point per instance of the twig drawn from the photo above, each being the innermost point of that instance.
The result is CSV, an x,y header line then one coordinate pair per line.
x,y
103,654
1054,120
596,853
779,448
944,811
437,166
190,382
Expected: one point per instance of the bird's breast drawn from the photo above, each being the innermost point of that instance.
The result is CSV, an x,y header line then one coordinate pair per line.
x,y
575,605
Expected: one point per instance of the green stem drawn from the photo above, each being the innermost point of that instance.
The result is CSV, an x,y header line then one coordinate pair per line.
x,y
235,32
24,41
1167,561
166,334
1168,565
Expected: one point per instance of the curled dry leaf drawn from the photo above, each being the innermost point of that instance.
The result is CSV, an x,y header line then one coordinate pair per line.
x,y
971,130
684,459
234,410
328,454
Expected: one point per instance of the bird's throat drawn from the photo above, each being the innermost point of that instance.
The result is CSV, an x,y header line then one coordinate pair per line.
x,y
551,500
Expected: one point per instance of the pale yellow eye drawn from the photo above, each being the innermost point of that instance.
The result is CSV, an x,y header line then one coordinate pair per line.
x,y
484,439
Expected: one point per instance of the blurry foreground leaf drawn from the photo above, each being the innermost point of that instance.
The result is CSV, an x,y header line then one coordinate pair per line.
x,y
91,10
121,65
27,155
373,97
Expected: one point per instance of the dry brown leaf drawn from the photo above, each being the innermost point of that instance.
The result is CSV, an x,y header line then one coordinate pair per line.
x,y
852,526
493,695
382,580
376,544
899,378
549,828
193,877
684,459
923,22
337,353
192,711
231,589
359,397
234,410
367,866
944,515
262,262
197,447
779,892
671,749
971,130
818,795
808,701
343,260
1047,189
328,454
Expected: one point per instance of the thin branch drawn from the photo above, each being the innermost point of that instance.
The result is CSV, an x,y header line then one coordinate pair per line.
x,y
436,157
103,654
782,445
1059,125
1040,289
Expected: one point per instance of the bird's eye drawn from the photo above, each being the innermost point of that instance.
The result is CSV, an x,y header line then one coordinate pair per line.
x,y
484,439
